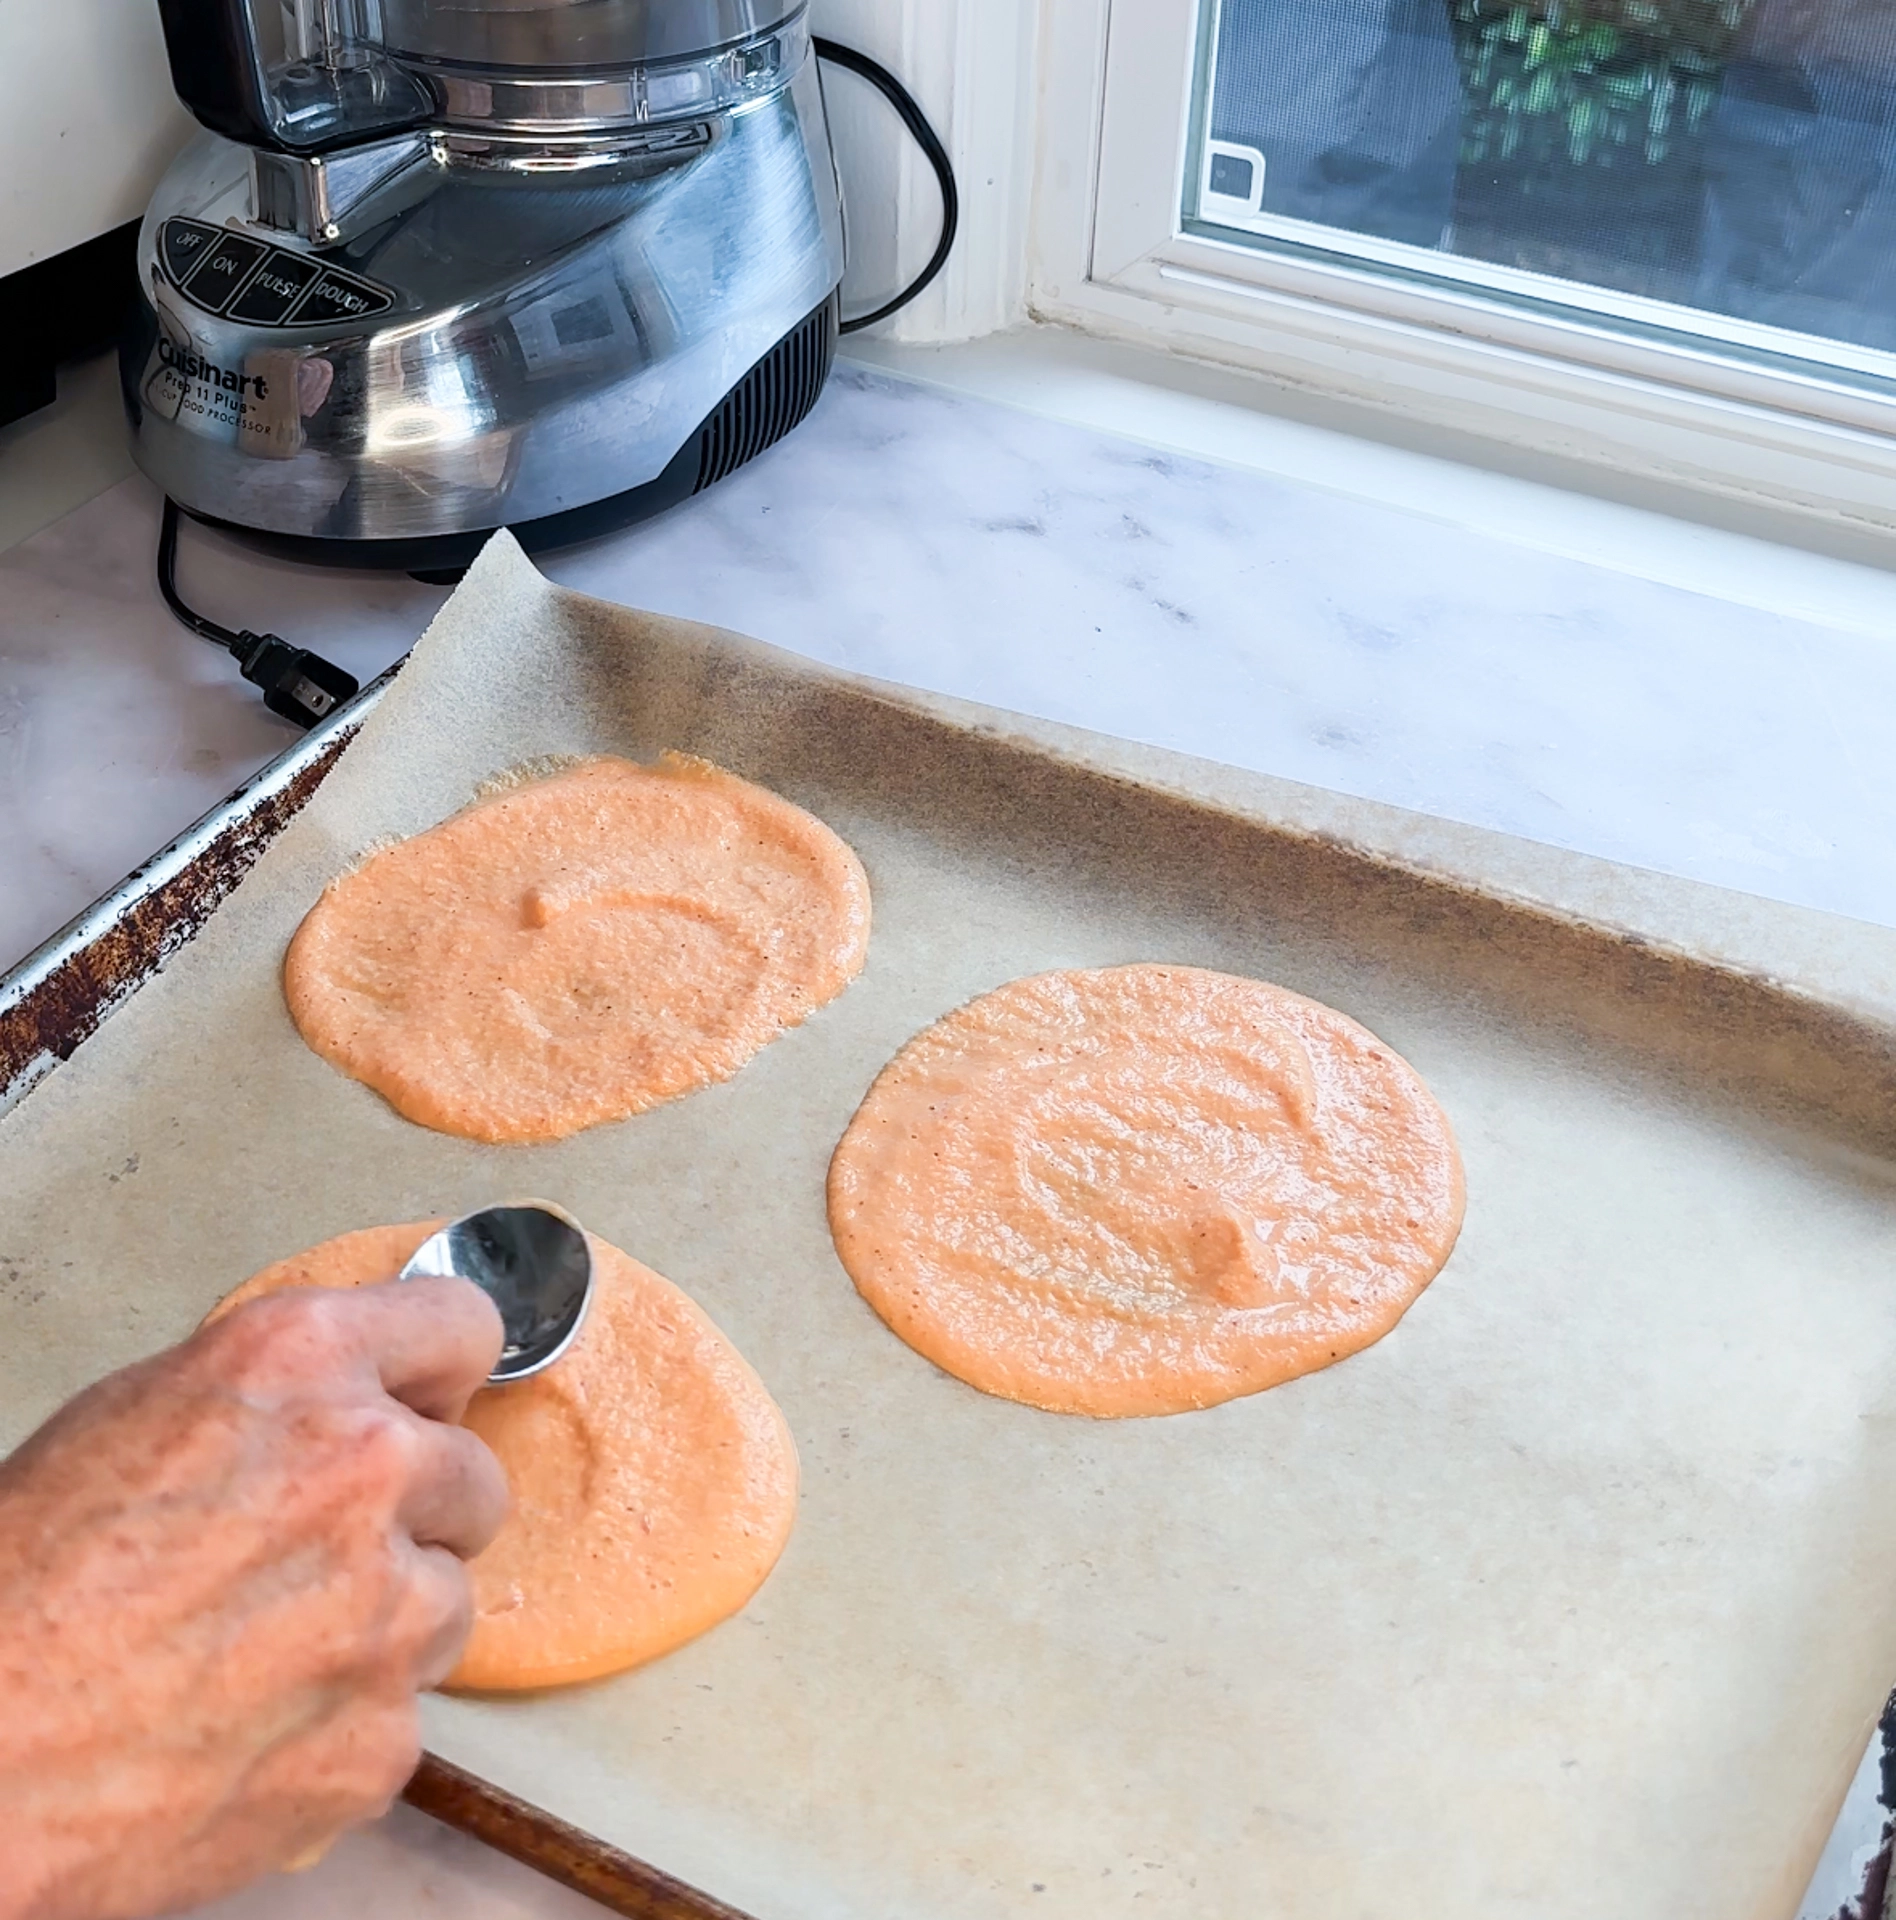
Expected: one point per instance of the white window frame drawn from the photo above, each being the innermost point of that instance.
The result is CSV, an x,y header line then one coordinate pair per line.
x,y
971,65
1109,255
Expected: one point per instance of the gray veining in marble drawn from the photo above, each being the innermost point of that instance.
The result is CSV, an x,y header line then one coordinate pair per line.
x,y
117,727
983,552
987,552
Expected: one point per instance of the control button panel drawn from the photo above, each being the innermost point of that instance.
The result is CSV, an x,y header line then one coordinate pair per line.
x,y
262,286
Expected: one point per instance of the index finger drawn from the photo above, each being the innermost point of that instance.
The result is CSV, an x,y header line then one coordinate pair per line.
x,y
432,1342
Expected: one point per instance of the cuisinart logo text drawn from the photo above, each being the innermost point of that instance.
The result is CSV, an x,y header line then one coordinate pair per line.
x,y
183,361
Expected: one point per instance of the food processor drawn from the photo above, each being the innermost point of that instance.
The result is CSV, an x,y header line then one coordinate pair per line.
x,y
440,266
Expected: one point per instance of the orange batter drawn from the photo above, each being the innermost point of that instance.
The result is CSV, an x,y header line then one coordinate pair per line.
x,y
654,1481
578,949
1143,1189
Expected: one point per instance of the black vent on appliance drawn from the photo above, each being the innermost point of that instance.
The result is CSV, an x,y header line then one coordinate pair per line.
x,y
777,392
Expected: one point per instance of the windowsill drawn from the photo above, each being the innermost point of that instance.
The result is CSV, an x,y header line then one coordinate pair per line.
x,y
1778,560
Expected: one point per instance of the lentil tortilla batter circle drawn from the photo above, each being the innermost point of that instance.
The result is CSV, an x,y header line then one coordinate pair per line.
x,y
578,948
1143,1189
654,1480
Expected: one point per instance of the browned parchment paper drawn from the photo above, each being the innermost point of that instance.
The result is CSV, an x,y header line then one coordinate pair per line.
x,y
1574,1597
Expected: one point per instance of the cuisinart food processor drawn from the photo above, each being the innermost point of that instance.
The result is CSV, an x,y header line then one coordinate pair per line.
x,y
440,266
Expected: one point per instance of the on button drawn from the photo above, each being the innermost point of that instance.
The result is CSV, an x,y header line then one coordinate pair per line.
x,y
221,271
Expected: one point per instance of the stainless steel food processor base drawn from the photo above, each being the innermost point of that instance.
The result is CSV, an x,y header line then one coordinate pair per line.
x,y
556,337
771,399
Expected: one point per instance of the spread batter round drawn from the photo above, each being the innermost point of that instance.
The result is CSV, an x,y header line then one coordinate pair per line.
x,y
654,1481
578,949
1143,1189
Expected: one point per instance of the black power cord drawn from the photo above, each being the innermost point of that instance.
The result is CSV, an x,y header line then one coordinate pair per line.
x,y
299,685
912,117
304,687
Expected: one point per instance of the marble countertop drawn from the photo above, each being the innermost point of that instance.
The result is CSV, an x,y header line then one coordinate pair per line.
x,y
984,551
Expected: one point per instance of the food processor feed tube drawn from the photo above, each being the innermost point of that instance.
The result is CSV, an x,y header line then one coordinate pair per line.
x,y
304,78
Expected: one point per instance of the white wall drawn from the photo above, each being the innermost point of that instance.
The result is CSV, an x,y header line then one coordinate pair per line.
x,y
972,66
88,121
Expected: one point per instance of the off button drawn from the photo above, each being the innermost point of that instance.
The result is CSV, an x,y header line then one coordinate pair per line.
x,y
183,243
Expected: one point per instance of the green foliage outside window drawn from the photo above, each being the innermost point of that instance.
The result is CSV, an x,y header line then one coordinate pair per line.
x,y
1594,82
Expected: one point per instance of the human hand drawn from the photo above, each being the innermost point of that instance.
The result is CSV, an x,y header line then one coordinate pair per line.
x,y
224,1575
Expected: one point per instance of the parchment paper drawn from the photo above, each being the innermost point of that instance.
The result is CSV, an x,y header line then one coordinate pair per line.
x,y
1573,1597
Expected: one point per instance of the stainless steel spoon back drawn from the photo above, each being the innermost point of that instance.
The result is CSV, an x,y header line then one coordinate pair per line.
x,y
533,1260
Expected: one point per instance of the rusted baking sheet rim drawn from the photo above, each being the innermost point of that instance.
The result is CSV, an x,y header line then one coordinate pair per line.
x,y
63,991
563,1853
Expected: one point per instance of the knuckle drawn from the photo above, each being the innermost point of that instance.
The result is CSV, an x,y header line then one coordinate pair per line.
x,y
486,1490
370,1453
322,1318
300,1332
393,1751
439,1596
434,1622
389,1441
454,1604
355,1463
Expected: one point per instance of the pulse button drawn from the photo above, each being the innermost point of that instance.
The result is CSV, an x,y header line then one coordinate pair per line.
x,y
273,289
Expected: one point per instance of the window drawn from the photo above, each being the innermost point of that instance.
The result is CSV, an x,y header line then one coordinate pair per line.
x,y
1607,224
1736,158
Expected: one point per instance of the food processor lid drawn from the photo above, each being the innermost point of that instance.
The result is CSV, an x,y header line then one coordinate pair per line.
x,y
597,36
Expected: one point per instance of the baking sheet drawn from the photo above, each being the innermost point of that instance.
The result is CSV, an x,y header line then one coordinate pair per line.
x,y
57,996
1572,1597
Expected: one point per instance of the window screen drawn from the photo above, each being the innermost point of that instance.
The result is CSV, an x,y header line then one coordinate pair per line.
x,y
1733,157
